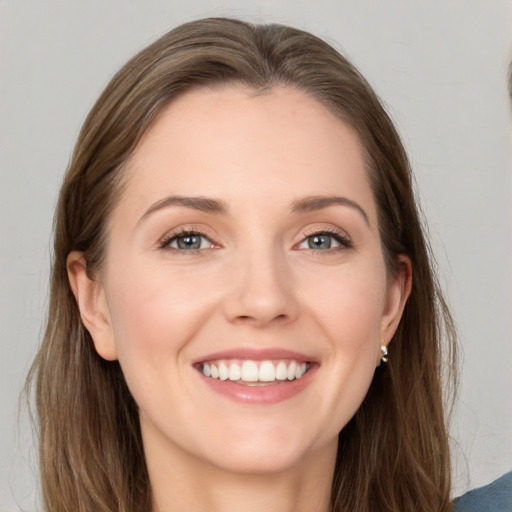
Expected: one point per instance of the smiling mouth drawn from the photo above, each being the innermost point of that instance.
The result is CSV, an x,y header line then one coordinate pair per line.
x,y
254,373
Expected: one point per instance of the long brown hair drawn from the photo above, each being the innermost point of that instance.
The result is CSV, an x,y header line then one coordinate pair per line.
x,y
393,455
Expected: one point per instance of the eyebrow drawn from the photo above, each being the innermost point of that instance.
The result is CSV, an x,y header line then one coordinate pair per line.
x,y
216,206
203,204
314,203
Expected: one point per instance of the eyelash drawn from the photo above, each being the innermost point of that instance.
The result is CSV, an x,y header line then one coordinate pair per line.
x,y
343,241
167,240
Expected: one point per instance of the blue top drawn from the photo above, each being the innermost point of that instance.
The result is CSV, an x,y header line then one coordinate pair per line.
x,y
495,497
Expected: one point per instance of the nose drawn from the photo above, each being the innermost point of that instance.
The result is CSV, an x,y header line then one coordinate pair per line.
x,y
262,291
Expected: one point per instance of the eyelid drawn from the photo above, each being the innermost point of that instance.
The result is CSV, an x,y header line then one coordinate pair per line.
x,y
163,242
324,229
341,237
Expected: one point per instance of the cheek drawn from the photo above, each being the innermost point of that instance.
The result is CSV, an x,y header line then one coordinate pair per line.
x,y
156,310
349,312
349,305
155,314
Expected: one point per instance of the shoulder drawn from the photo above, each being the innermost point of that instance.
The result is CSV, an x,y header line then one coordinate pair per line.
x,y
495,497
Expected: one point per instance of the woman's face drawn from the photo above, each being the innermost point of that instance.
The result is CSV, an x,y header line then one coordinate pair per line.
x,y
244,290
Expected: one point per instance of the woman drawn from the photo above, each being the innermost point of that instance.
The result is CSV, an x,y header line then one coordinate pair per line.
x,y
236,245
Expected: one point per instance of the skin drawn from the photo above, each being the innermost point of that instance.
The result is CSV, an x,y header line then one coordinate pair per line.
x,y
255,282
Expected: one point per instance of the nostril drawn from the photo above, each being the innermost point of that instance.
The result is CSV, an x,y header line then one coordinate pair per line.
x,y
281,318
259,320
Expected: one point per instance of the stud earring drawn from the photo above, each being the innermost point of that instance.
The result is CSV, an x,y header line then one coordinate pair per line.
x,y
384,357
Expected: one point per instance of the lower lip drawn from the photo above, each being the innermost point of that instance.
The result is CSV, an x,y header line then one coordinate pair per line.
x,y
260,394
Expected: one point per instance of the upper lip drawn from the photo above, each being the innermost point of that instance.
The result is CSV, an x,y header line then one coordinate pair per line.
x,y
256,354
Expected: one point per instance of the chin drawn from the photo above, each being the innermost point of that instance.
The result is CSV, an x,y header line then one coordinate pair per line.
x,y
266,450
259,461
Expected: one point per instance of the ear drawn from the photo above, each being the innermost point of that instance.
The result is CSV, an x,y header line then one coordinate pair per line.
x,y
92,304
399,289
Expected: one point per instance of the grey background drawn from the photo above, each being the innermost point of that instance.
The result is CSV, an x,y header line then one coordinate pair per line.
x,y
439,65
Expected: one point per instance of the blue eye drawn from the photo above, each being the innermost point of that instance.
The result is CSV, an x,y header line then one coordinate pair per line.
x,y
320,242
323,241
187,241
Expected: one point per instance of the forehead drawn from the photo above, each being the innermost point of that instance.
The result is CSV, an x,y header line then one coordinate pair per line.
x,y
231,141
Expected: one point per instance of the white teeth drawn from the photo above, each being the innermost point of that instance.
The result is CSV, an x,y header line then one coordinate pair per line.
x,y
223,372
234,371
249,371
281,373
252,371
291,371
267,372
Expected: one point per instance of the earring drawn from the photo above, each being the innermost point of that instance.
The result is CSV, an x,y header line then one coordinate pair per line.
x,y
384,358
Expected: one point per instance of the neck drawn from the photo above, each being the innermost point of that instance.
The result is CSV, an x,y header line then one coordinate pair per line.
x,y
250,493
181,482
